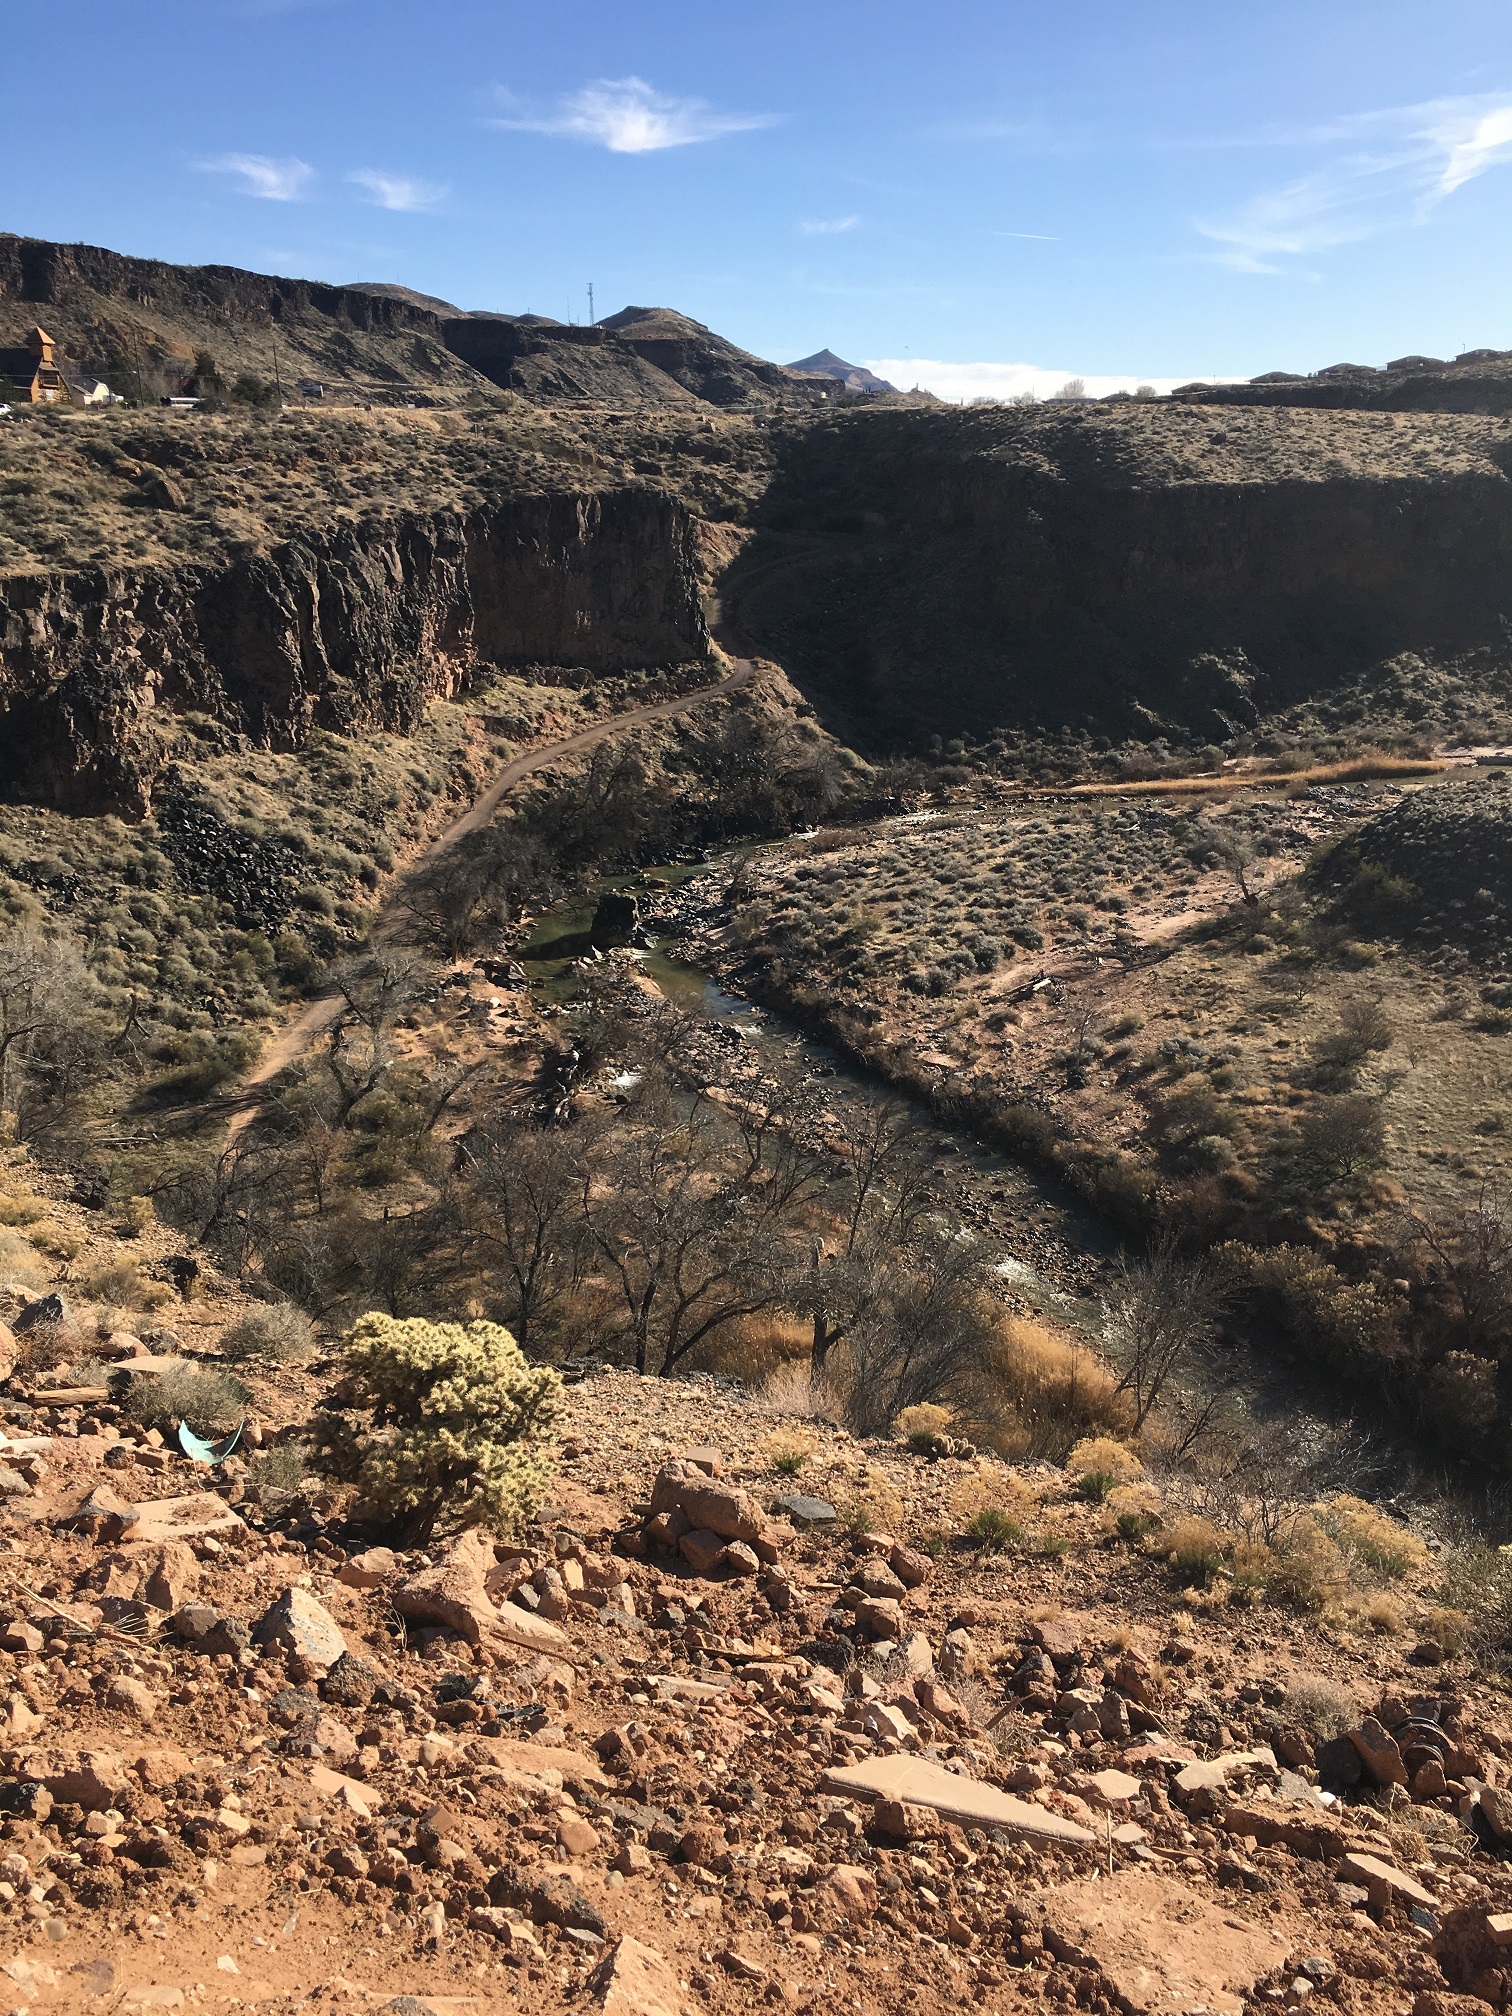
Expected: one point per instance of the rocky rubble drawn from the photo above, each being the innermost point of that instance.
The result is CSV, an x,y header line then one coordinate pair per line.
x,y
702,1741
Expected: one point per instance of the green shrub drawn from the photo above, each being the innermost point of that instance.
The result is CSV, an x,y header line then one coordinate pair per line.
x,y
211,1402
458,1430
278,1333
1096,1486
992,1530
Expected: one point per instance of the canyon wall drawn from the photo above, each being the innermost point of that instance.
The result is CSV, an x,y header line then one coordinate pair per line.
x,y
339,630
1121,570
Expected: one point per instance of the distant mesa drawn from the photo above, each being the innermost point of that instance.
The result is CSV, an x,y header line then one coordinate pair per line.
x,y
853,377
1476,381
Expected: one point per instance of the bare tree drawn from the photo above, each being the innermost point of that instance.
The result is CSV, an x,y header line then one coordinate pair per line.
x,y
359,1051
882,1195
49,1045
474,891
885,1181
1162,1311
923,1335
524,1186
1463,1255
688,1244
1235,849
1343,1134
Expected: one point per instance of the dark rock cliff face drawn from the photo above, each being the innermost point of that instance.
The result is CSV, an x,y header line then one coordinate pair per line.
x,y
345,630
1117,571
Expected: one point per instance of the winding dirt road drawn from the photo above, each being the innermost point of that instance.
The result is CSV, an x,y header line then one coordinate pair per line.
x,y
312,1021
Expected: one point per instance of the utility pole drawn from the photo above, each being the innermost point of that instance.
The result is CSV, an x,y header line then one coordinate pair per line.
x,y
591,316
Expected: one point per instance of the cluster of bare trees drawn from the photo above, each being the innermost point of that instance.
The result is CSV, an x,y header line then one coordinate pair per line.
x,y
649,1237
56,1042
645,1232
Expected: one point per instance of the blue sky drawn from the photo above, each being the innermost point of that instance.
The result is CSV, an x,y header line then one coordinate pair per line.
x,y
1158,191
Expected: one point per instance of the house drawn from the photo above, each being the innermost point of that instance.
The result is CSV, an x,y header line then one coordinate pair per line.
x,y
34,371
91,391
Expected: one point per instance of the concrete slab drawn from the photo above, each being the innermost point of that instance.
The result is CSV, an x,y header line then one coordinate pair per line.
x,y
966,1801
1383,1882
160,1519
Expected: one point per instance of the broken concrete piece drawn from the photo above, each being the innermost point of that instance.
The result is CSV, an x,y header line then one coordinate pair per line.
x,y
1112,1788
1059,1638
1379,1752
1161,1947
701,1549
1209,1775
805,1512
93,1779
880,1617
738,1559
369,1570
911,1567
851,1892
966,1801
723,1509
348,1792
875,1578
543,1760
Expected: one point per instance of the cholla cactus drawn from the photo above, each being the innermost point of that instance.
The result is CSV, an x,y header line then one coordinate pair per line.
x,y
458,1430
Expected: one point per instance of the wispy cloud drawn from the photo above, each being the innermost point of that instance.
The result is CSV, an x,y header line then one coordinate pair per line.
x,y
626,115
275,180
1381,171
1037,237
828,227
1004,381
397,192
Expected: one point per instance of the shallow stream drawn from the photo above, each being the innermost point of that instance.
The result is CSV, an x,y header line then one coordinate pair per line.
x,y
560,939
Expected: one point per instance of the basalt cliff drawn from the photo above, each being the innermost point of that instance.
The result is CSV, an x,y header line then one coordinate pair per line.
x,y
343,628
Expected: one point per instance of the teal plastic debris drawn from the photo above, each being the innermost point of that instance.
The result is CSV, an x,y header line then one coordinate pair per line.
x,y
198,1450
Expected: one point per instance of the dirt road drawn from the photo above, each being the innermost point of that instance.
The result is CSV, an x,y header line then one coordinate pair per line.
x,y
317,1016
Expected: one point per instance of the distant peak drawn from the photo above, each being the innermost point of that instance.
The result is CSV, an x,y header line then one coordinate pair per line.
x,y
854,377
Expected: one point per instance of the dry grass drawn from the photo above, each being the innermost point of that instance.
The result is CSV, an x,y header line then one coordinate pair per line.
x,y
1372,1539
788,1451
1101,1456
1322,1708
1045,1392
19,1262
119,1280
924,1421
791,1389
754,1349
